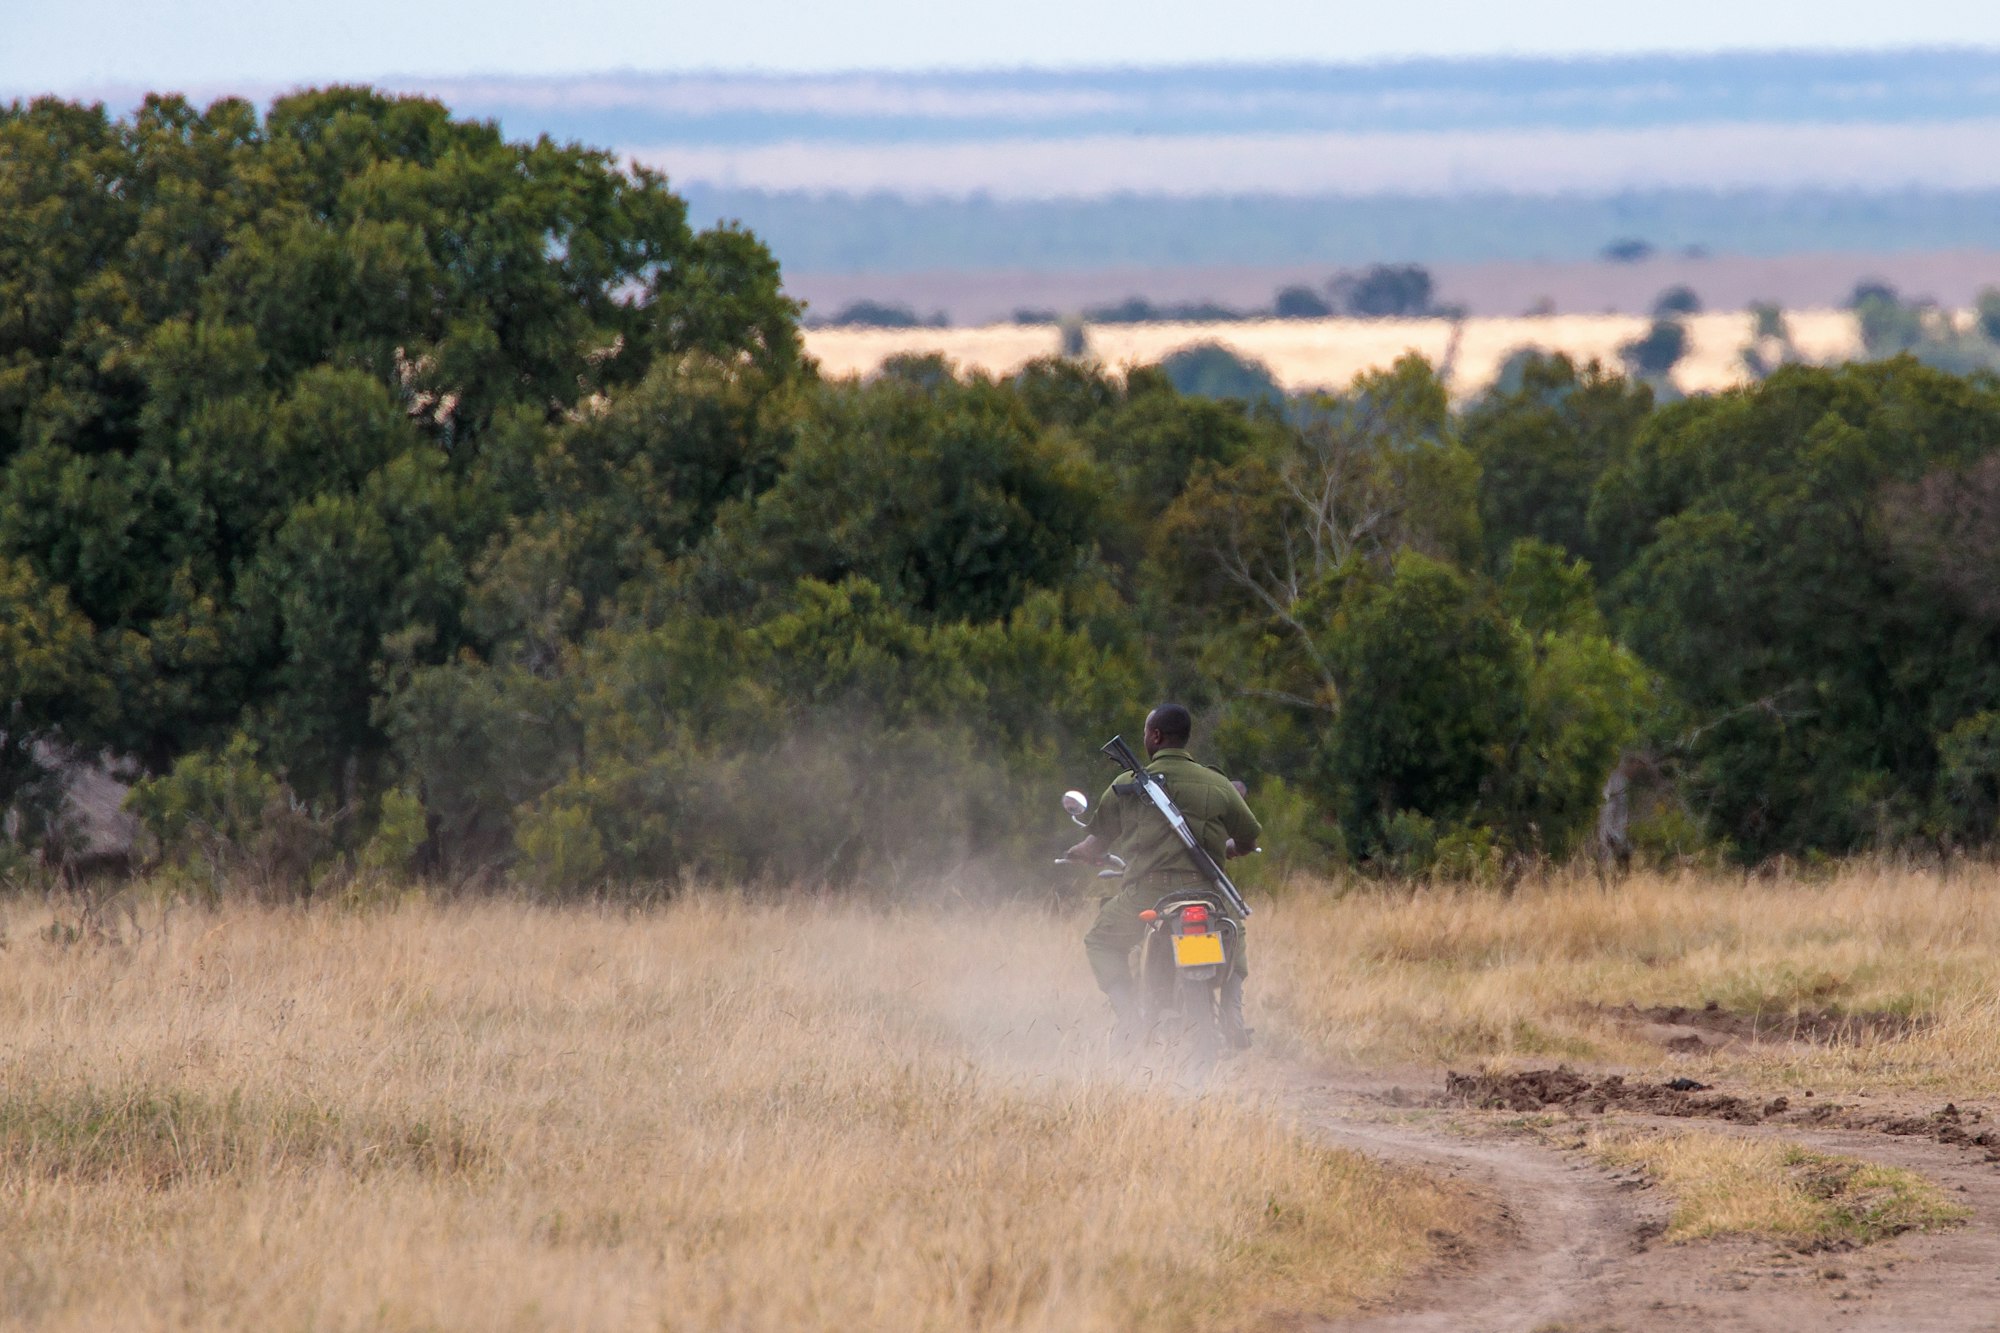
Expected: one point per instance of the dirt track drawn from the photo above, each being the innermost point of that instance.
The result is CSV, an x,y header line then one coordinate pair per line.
x,y
1574,1249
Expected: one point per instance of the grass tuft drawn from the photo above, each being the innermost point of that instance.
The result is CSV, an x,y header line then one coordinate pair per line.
x,y
1724,1185
153,1139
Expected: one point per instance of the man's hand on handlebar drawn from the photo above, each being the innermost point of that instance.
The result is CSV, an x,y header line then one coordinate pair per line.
x,y
1090,851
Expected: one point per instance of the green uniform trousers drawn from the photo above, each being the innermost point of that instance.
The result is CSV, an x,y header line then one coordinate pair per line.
x,y
1118,930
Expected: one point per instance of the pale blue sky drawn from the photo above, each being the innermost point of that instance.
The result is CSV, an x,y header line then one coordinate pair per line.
x,y
81,45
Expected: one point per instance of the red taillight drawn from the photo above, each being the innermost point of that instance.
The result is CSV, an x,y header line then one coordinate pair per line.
x,y
1194,919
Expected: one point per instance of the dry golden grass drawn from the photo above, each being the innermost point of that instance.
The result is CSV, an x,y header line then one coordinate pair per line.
x,y
1329,353
1464,975
713,1115
1731,1186
730,1114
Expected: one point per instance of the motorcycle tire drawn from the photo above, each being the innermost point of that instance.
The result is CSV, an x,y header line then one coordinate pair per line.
x,y
1202,1035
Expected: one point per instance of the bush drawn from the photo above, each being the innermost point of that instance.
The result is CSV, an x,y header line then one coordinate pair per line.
x,y
221,818
1210,370
1384,291
1300,835
1969,755
1675,302
1655,355
1301,303
1432,688
877,315
836,736
400,833
561,847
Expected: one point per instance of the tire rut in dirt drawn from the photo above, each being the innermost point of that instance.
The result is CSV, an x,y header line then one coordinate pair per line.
x,y
1575,1247
1562,1225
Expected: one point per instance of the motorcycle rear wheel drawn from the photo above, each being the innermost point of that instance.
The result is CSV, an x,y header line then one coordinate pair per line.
x,y
1201,1034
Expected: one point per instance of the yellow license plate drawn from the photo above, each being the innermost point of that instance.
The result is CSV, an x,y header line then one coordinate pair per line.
x,y
1194,950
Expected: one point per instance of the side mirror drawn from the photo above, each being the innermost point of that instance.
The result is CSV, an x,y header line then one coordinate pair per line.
x,y
1078,806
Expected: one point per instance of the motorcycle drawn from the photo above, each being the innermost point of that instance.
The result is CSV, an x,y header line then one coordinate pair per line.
x,y
1184,961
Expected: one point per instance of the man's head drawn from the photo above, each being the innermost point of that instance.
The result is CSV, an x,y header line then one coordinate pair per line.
x,y
1168,728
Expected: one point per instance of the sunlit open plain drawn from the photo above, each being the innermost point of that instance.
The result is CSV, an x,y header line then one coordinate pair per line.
x,y
1306,354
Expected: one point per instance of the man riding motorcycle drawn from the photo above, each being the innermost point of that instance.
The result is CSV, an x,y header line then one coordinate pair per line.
x,y
1157,862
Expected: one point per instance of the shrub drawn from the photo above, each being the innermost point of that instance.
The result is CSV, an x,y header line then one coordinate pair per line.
x,y
1210,370
875,315
1655,355
1385,291
1301,303
219,817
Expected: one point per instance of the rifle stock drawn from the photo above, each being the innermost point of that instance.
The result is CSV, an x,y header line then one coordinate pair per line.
x,y
1122,754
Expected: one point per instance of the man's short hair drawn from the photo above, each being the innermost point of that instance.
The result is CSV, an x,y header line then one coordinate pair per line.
x,y
1174,723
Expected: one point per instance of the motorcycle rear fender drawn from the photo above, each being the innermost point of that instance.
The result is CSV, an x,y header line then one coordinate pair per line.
x,y
1222,925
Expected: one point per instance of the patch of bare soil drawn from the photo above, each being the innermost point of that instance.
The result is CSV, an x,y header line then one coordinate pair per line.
x,y
1557,1243
1541,1231
1682,1029
1565,1089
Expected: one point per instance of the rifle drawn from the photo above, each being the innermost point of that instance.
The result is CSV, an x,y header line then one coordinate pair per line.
x,y
1150,786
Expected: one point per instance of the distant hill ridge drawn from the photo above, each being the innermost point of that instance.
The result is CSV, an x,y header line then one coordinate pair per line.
x,y
632,108
1439,161
885,234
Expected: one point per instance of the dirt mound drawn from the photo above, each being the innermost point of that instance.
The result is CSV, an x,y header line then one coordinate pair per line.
x,y
1565,1089
1694,1030
1949,1125
1539,1089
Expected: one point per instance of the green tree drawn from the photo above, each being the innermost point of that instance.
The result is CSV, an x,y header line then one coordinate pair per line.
x,y
1210,370
1654,354
947,498
1385,291
1365,474
271,386
1586,699
1543,445
1769,585
1432,690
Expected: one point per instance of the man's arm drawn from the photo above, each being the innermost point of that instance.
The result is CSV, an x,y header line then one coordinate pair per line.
x,y
1241,826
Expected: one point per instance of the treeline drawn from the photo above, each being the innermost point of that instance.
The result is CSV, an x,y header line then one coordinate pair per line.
x,y
1380,291
397,498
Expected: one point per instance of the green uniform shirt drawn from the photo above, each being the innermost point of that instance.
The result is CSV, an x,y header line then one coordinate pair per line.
x,y
1130,825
